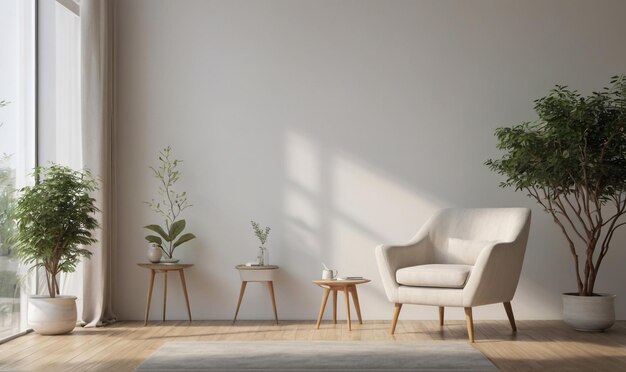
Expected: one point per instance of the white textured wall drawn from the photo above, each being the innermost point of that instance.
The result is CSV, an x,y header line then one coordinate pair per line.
x,y
342,125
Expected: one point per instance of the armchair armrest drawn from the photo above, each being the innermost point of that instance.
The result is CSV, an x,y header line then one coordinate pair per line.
x,y
390,258
495,274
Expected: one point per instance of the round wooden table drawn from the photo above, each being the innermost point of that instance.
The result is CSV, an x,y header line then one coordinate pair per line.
x,y
335,285
164,268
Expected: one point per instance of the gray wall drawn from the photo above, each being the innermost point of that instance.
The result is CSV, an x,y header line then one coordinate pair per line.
x,y
342,125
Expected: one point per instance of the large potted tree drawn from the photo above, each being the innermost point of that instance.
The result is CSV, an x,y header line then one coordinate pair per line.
x,y
572,161
55,220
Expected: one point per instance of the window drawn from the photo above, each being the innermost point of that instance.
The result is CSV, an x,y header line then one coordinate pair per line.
x,y
17,147
67,66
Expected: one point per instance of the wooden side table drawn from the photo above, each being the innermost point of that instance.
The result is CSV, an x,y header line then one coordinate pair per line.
x,y
263,274
164,268
347,286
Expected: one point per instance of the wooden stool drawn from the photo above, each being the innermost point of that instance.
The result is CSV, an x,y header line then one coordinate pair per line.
x,y
164,268
264,274
347,286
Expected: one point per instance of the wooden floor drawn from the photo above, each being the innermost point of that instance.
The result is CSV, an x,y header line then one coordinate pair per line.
x,y
538,345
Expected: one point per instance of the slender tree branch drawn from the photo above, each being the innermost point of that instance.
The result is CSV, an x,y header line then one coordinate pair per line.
x,y
535,194
552,202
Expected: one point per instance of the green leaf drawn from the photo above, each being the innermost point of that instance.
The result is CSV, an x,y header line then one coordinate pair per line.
x,y
184,238
176,228
159,230
154,239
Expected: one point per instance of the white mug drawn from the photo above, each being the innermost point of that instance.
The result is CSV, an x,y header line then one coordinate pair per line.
x,y
329,274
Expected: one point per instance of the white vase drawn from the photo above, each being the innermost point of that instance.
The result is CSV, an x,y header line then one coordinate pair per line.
x,y
154,253
589,313
52,316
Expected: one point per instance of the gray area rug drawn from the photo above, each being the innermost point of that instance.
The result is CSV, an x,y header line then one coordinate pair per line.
x,y
317,356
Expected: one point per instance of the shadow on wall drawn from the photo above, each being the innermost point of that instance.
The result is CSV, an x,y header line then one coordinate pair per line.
x,y
337,211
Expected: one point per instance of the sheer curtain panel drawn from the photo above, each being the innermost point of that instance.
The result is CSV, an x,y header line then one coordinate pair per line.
x,y
97,64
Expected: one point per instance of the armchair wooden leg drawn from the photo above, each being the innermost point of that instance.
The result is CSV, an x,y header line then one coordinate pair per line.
x,y
470,323
509,313
441,316
394,320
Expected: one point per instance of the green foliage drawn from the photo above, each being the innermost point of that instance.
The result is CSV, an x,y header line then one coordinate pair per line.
x,y
170,206
9,284
260,234
7,205
7,200
55,221
572,161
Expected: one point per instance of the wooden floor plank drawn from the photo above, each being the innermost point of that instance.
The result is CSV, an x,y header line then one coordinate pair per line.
x,y
538,345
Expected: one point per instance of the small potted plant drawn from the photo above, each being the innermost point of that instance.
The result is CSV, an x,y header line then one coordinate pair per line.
x,y
261,234
572,161
55,221
170,206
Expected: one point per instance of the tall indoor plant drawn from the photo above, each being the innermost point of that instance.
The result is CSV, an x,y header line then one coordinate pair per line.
x,y
171,204
55,221
572,161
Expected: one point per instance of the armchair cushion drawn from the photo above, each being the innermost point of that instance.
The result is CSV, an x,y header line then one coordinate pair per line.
x,y
434,275
461,251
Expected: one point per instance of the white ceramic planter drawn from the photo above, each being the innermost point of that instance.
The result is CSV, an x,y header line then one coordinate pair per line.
x,y
154,253
589,313
52,316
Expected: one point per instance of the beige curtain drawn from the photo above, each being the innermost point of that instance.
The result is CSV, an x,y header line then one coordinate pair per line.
x,y
97,75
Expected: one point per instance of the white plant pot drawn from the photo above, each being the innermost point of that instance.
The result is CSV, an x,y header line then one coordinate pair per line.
x,y
52,316
154,253
589,313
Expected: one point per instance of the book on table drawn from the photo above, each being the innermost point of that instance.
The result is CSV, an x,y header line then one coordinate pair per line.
x,y
350,278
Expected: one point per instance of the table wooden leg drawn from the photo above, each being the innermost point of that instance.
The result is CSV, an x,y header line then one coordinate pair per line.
x,y
241,291
182,281
322,306
149,297
270,287
346,290
355,298
164,292
334,306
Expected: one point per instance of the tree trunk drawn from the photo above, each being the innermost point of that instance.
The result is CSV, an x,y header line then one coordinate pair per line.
x,y
51,285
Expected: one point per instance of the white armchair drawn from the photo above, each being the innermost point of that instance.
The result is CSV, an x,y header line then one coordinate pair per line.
x,y
460,258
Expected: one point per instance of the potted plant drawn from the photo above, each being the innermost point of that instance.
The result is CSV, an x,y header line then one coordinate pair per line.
x,y
55,221
261,234
572,161
171,205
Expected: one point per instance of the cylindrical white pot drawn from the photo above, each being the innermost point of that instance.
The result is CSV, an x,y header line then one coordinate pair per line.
x,y
589,313
52,316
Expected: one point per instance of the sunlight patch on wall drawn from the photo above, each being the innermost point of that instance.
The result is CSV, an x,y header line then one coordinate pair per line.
x,y
384,208
338,209
302,194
